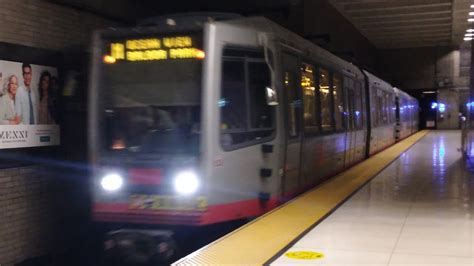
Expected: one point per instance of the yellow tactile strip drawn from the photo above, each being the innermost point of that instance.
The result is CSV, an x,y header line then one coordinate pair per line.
x,y
258,241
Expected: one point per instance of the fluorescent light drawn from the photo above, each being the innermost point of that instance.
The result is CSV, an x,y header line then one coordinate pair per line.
x,y
469,35
470,30
471,13
468,38
472,6
470,19
428,92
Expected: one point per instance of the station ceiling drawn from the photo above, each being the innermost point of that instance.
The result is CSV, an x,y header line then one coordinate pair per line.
x,y
408,23
387,24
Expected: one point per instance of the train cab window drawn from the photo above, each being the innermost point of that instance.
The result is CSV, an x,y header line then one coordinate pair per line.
x,y
324,92
309,99
338,102
245,116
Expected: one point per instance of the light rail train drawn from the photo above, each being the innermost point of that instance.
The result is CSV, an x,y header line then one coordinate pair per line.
x,y
197,121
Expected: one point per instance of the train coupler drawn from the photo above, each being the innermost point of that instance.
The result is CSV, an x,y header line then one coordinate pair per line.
x,y
135,246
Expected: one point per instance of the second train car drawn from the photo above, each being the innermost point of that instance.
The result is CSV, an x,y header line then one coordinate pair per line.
x,y
198,121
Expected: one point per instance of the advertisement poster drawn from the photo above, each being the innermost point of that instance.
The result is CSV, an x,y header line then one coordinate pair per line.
x,y
28,105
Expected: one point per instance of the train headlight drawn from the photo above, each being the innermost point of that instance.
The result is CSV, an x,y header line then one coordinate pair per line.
x,y
111,182
186,182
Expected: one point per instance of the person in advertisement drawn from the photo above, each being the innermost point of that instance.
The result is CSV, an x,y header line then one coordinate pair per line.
x,y
46,101
7,103
26,104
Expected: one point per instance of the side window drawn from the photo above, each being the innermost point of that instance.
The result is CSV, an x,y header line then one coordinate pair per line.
x,y
260,111
326,121
293,102
358,112
390,103
392,109
338,102
233,98
384,108
245,116
309,99
349,88
378,107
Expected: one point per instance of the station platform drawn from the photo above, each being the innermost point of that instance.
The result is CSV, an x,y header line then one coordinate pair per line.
x,y
408,205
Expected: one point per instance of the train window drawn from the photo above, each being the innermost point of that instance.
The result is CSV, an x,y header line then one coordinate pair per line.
x,y
309,99
349,88
260,111
358,112
326,121
293,102
245,116
234,113
378,107
385,108
338,102
392,109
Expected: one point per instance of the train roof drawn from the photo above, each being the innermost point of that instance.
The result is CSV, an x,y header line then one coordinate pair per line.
x,y
374,80
294,40
402,93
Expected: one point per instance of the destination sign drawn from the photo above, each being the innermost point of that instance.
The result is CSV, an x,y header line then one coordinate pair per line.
x,y
149,49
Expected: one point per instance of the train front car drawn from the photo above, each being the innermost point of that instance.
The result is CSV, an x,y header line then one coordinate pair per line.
x,y
177,122
147,119
145,133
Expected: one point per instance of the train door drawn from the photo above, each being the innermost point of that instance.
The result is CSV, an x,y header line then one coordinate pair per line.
x,y
293,122
350,132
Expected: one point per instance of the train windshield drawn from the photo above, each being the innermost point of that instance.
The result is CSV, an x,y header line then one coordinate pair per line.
x,y
152,106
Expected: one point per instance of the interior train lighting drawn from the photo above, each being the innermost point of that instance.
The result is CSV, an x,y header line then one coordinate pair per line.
x,y
108,59
118,144
325,91
170,22
111,182
186,182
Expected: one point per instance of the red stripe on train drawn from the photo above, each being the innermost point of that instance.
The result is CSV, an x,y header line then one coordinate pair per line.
x,y
120,212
